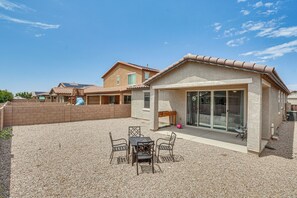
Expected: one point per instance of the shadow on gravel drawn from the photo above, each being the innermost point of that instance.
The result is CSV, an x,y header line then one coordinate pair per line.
x,y
5,167
168,158
284,146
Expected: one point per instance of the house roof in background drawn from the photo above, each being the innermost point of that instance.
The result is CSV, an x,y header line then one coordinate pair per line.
x,y
246,66
62,90
139,86
40,93
74,85
130,65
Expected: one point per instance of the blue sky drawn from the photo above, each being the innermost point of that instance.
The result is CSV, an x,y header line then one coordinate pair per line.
x,y
46,42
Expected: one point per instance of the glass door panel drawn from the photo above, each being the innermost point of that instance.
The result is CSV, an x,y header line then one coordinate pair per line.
x,y
204,109
192,107
219,110
235,109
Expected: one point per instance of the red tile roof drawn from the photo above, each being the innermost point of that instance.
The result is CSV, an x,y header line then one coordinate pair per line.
x,y
130,65
246,66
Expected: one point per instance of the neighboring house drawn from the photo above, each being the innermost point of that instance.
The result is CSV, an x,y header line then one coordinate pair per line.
x,y
74,85
116,82
216,94
41,95
292,99
68,92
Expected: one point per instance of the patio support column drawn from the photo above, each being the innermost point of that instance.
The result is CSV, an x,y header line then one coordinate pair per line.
x,y
121,98
100,99
154,104
254,121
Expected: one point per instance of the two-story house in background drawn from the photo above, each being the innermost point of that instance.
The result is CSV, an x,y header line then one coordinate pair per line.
x,y
116,82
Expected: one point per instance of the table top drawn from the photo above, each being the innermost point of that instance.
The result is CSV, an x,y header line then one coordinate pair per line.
x,y
135,140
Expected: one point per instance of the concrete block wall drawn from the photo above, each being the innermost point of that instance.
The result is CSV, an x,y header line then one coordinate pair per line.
x,y
45,114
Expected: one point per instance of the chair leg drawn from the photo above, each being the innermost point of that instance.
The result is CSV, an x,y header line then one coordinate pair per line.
x,y
127,156
171,154
137,166
153,169
111,157
158,155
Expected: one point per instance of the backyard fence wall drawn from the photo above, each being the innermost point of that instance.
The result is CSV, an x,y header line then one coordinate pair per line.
x,y
28,114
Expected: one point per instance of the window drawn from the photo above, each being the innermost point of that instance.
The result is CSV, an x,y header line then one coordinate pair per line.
x,y
127,99
118,80
131,79
146,75
147,100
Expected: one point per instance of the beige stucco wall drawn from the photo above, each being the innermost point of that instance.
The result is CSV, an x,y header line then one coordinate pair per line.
x,y
196,72
123,71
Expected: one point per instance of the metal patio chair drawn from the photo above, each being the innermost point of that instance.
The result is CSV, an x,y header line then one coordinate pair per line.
x,y
133,131
166,144
118,145
242,131
144,152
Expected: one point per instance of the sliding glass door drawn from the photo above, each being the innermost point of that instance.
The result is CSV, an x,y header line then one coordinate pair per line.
x,y
204,109
221,110
235,109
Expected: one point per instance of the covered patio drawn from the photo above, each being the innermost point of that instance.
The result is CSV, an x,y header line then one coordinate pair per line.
x,y
218,139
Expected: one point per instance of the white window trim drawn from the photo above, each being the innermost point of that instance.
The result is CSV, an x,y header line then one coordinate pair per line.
x,y
130,73
118,76
146,109
146,72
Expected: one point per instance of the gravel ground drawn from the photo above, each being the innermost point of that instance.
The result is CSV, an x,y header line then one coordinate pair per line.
x,y
72,160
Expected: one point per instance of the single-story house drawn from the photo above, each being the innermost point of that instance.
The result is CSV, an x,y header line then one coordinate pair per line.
x,y
216,95
67,92
41,95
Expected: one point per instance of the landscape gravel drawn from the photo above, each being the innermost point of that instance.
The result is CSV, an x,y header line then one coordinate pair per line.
x,y
72,160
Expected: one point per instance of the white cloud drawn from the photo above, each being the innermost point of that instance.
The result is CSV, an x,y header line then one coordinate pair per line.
x,y
217,26
39,35
275,51
281,32
230,32
245,12
7,5
239,1
258,4
166,43
269,4
236,42
44,26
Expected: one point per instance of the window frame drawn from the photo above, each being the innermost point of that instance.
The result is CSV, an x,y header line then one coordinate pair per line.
x,y
133,73
148,73
118,79
148,93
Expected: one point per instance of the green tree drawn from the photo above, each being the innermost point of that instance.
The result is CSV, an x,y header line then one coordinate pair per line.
x,y
24,94
5,96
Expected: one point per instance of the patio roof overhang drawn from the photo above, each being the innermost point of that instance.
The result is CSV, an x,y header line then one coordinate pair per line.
x,y
205,84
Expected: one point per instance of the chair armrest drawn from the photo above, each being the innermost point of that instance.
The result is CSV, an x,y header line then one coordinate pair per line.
x,y
162,139
121,139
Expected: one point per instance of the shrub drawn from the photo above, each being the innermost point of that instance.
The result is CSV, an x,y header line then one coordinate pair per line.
x,y
6,133
5,96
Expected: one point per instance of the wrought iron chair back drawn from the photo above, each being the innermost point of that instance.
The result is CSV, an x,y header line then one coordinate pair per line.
x,y
145,148
172,139
134,131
